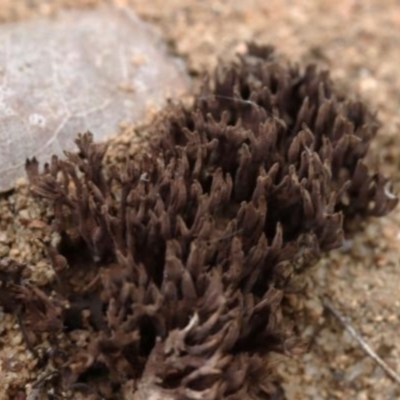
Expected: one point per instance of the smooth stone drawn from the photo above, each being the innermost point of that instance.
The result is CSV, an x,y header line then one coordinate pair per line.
x,y
77,71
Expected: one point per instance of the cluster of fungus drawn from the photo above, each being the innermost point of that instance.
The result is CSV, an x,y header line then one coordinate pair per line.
x,y
177,264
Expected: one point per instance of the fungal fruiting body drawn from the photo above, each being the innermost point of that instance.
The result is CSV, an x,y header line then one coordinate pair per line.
x,y
177,264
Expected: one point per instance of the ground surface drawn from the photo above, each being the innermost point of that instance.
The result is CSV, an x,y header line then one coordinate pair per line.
x,y
359,41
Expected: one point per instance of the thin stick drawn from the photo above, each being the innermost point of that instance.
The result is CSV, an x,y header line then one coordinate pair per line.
x,y
364,345
25,334
234,99
231,235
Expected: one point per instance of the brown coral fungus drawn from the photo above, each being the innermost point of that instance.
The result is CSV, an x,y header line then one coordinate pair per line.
x,y
176,266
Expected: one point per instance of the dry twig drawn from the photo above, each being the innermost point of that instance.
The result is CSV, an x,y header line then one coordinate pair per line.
x,y
363,344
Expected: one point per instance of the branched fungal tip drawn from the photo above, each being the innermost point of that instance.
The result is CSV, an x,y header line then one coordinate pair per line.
x,y
177,266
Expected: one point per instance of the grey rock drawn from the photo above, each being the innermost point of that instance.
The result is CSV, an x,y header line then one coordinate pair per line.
x,y
78,71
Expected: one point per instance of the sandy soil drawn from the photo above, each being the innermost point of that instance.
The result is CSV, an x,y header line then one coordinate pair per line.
x,y
359,41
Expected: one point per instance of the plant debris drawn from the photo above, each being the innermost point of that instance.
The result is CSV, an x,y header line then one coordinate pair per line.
x,y
171,273
363,344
